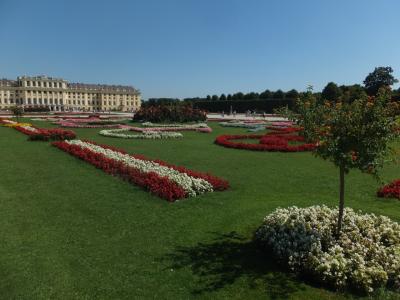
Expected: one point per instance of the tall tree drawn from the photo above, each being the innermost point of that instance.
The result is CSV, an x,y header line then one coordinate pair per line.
x,y
237,96
292,94
380,77
331,92
279,94
222,97
352,92
250,96
267,94
214,97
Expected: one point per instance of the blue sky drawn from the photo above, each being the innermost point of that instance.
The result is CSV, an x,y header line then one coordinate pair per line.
x,y
187,48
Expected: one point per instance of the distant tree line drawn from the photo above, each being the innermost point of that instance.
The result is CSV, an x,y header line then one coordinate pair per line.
x,y
267,101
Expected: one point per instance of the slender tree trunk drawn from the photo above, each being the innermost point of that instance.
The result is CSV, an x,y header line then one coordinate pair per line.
x,y
341,201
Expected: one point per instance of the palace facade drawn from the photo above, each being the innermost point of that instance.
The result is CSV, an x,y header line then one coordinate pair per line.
x,y
59,95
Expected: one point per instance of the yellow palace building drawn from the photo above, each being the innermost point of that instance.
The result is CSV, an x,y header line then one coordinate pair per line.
x,y
59,95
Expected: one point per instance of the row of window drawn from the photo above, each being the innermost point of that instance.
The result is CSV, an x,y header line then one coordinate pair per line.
x,y
44,84
41,101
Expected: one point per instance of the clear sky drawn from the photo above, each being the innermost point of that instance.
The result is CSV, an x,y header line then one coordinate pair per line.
x,y
188,48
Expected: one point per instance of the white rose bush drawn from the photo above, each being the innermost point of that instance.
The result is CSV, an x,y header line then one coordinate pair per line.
x,y
365,257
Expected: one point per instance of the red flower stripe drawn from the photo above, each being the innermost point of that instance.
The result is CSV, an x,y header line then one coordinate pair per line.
x,y
160,186
391,190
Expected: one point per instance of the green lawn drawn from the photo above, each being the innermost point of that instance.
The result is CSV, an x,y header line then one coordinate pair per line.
x,y
70,231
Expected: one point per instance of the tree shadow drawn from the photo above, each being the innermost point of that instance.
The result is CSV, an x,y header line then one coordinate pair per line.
x,y
230,257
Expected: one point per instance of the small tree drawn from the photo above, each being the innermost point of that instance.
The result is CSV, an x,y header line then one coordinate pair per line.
x,y
380,77
17,111
351,135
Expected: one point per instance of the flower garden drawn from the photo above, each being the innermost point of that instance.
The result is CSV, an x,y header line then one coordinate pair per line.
x,y
84,215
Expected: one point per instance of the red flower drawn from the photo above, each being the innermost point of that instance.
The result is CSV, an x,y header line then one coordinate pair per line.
x,y
272,141
391,190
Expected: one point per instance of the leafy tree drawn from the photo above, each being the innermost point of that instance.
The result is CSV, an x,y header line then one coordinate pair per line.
x,y
214,97
267,94
250,96
331,92
380,77
17,111
351,92
208,97
222,97
352,135
292,94
279,94
229,97
237,96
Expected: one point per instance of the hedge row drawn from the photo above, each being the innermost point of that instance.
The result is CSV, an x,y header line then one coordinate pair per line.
x,y
241,106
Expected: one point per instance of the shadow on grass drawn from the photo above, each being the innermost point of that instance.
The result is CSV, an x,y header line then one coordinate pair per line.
x,y
228,258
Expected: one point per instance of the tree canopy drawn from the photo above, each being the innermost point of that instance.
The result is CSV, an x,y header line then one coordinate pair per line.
x,y
380,77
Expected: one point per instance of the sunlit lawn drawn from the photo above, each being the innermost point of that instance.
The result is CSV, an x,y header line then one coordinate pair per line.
x,y
70,231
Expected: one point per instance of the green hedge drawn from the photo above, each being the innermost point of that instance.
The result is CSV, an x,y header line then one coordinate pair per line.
x,y
241,106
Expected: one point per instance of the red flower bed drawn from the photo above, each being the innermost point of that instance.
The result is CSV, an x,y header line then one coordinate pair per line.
x,y
47,134
217,183
391,190
272,141
160,186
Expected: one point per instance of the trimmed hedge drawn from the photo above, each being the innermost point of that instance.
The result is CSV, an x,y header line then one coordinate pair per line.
x,y
241,106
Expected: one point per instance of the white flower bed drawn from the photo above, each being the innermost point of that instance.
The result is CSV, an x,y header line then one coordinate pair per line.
x,y
239,124
193,186
121,133
187,126
365,257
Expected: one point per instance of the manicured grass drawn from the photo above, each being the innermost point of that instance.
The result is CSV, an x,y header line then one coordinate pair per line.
x,y
70,231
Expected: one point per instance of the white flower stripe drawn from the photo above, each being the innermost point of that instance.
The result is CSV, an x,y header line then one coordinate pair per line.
x,y
193,186
145,135
30,128
186,126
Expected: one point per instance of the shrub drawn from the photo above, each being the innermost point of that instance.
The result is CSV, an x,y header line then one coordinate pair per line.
x,y
170,113
365,257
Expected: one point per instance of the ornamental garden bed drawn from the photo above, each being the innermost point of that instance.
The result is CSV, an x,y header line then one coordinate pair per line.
x,y
160,178
40,134
283,140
